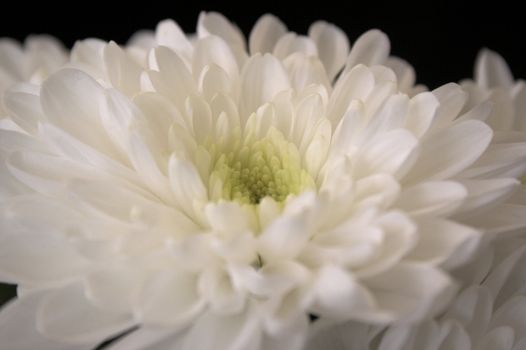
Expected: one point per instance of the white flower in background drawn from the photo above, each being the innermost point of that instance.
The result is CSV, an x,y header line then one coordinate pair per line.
x,y
208,199
488,315
32,62
494,81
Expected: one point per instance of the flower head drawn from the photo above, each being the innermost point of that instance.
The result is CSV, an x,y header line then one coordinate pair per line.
x,y
216,197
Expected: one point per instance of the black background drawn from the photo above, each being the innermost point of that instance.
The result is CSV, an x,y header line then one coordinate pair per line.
x,y
440,39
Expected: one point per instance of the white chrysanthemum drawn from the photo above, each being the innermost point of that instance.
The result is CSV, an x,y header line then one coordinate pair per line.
x,y
217,201
33,61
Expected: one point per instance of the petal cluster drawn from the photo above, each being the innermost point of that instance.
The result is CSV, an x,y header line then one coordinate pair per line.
x,y
204,192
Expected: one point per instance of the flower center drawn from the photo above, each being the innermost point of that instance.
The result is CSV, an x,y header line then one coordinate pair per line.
x,y
269,167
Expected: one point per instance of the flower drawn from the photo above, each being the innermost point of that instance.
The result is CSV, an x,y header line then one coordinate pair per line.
x,y
39,56
202,196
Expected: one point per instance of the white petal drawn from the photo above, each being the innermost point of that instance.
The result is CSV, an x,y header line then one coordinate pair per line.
x,y
118,116
114,288
214,80
316,152
376,190
13,141
502,218
67,315
400,236
217,287
130,205
501,338
291,336
236,332
174,79
273,279
291,43
333,46
10,185
492,71
71,99
486,192
170,298
262,78
421,112
411,291
457,338
389,153
506,279
88,56
284,238
473,308
452,99
18,329
198,111
405,74
436,198
354,85
161,115
148,168
186,183
305,71
38,258
265,34
229,218
338,295
444,242
123,72
213,23
371,48
24,108
169,34
449,151
398,337
511,314
308,113
500,160
13,59
82,155
347,131
213,49
389,117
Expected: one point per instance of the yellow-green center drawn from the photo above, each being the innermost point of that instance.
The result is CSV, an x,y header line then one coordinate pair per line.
x,y
269,167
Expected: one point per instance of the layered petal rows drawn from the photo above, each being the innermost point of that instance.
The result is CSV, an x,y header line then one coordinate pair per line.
x,y
213,192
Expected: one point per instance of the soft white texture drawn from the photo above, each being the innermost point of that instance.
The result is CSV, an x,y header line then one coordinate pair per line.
x,y
109,165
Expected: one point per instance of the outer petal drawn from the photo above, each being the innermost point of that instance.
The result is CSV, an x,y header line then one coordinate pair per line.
x,y
66,315
265,34
410,291
371,48
492,71
333,46
18,329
